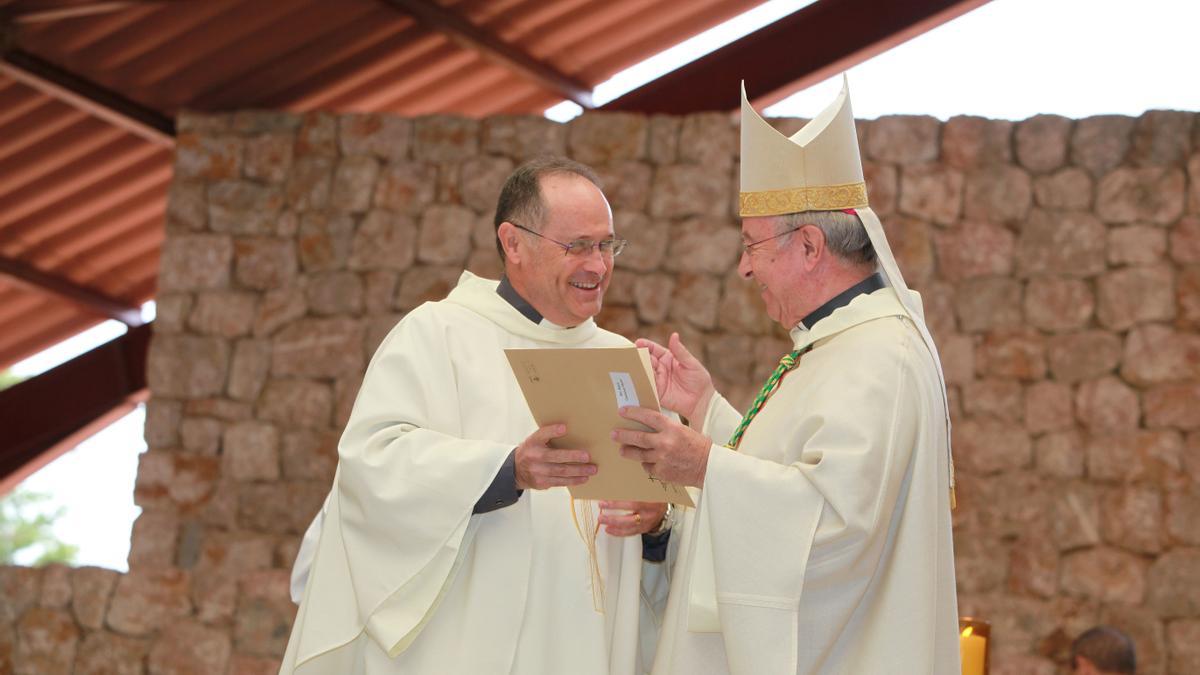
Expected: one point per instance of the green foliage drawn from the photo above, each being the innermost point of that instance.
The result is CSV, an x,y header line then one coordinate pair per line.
x,y
26,528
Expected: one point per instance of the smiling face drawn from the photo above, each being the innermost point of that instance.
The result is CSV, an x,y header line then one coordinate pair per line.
x,y
778,267
565,289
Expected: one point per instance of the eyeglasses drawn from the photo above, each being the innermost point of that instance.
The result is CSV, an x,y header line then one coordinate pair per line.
x,y
749,248
583,247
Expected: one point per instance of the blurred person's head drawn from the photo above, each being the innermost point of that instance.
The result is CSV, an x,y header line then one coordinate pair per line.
x,y
1103,650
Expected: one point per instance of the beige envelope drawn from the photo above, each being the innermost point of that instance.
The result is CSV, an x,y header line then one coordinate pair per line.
x,y
584,388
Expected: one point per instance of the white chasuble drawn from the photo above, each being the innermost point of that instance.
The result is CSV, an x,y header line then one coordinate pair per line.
x,y
405,578
823,544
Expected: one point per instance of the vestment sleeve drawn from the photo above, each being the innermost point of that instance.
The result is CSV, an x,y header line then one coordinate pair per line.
x,y
400,512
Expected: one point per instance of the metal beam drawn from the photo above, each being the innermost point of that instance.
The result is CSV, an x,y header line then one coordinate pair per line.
x,y
797,51
474,37
74,90
91,300
49,414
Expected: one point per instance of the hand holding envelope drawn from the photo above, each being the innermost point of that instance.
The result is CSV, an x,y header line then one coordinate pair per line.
x,y
584,389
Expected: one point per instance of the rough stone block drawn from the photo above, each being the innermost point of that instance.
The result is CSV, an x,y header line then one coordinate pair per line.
x,y
1107,403
91,588
325,241
903,139
296,403
883,187
1041,142
445,138
309,455
1173,405
162,422
523,137
695,300
268,157
977,567
932,192
1100,143
333,293
195,262
377,135
703,246
1156,353
187,208
480,181
425,284
189,648
1183,639
996,399
1187,296
911,241
685,190
1058,305
663,139
742,309
317,134
648,240
974,250
278,308
1162,138
1104,574
988,303
406,187
201,435
1033,562
1136,456
1075,516
968,142
264,263
153,540
730,357
1048,407
223,313
145,602
309,183
1183,515
600,137
280,507
1136,245
1154,195
318,348
445,235
186,366
1069,188
207,156
625,183
1135,295
104,653
998,194
175,479
710,139
1069,244
1132,518
243,207
249,368
353,184
46,642
252,451
1185,240
986,446
1174,584
652,296
1059,455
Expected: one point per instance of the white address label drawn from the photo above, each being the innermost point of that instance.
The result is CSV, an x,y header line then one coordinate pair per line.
x,y
623,388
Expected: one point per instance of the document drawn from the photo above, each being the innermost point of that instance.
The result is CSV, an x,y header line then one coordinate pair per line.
x,y
583,389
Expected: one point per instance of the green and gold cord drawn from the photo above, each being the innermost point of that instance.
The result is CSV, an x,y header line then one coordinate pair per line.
x,y
787,363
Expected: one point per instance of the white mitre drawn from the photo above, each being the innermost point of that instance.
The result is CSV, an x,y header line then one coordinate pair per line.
x,y
819,169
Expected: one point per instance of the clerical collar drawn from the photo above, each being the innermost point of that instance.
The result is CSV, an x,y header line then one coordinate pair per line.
x,y
510,294
868,285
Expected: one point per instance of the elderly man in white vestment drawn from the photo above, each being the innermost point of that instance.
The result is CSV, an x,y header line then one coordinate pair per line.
x,y
449,542
821,539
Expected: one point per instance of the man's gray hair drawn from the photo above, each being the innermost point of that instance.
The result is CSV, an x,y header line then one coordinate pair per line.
x,y
1108,648
845,234
521,197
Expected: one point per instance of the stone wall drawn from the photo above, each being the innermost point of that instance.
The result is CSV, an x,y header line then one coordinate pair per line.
x,y
1059,261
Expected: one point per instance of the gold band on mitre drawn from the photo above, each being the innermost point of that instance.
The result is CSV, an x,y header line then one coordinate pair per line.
x,y
795,200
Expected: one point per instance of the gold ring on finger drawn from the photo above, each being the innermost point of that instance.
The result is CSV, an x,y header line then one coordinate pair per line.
x,y
637,518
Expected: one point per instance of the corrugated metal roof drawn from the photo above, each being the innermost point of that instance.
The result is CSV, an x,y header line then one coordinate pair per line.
x,y
83,199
